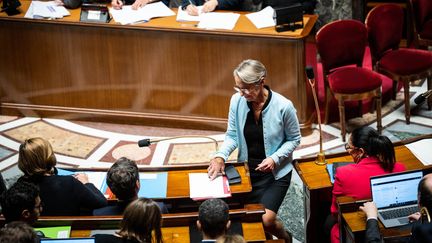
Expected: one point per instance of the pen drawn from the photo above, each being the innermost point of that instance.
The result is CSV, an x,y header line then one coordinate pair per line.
x,y
190,3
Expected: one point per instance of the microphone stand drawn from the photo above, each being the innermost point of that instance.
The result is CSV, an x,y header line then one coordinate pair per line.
x,y
146,142
320,160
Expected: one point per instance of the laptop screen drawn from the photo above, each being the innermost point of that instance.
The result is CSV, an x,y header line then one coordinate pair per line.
x,y
68,240
394,190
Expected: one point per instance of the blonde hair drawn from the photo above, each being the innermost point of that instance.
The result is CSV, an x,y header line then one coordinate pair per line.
x,y
250,71
140,218
36,157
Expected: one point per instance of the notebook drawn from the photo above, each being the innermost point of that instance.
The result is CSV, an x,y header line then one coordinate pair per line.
x,y
395,196
68,240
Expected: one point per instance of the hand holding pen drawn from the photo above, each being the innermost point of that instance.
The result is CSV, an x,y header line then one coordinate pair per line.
x,y
117,4
192,9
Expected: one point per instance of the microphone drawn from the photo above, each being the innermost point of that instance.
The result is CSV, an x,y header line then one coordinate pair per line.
x,y
320,160
422,97
147,141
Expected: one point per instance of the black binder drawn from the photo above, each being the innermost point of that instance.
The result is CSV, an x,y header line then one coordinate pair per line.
x,y
94,13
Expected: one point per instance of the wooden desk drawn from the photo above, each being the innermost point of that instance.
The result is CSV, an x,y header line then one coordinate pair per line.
x,y
178,185
318,188
161,72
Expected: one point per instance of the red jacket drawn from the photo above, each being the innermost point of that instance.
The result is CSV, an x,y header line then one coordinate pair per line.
x,y
353,181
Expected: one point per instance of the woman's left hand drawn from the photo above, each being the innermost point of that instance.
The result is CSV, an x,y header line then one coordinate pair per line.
x,y
266,165
209,6
139,3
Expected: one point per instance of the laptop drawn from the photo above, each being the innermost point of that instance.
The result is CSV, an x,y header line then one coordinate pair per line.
x,y
395,196
68,240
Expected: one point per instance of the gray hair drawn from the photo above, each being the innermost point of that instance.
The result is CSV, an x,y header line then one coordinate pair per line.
x,y
250,71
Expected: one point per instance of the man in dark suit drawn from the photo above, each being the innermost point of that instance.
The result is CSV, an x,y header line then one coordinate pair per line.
x,y
213,219
123,181
420,232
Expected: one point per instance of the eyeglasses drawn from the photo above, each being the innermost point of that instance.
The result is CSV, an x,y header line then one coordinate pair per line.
x,y
249,89
349,147
40,206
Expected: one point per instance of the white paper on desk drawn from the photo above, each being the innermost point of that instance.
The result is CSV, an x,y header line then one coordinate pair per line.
x,y
97,178
49,9
225,21
422,150
263,18
201,187
127,15
182,15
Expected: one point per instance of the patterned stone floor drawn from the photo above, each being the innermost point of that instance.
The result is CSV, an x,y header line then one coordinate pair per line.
x,y
88,144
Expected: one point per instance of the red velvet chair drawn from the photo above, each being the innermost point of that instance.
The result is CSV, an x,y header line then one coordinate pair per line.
x,y
341,45
421,18
384,24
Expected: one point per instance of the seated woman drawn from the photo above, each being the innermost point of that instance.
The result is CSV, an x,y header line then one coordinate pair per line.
x,y
141,223
61,195
373,155
210,5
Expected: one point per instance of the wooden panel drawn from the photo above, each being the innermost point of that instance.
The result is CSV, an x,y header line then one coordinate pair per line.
x,y
162,66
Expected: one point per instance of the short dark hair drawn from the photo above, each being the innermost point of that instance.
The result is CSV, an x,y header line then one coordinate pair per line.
x,y
22,195
213,215
122,178
18,232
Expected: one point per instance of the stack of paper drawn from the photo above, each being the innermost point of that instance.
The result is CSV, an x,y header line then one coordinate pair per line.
x,y
218,21
421,150
49,9
201,187
263,18
127,15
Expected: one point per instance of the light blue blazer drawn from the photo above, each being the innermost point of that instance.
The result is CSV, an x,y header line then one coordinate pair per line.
x,y
280,127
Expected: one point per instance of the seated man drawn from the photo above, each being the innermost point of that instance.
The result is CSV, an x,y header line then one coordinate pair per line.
x,y
421,233
21,203
123,181
213,219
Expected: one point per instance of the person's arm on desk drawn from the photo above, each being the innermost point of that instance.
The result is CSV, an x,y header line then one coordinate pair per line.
x,y
373,234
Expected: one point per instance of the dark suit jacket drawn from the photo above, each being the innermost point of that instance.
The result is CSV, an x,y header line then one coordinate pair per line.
x,y
373,234
421,233
120,207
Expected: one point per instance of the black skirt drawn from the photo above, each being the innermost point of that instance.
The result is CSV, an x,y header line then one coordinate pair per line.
x,y
268,191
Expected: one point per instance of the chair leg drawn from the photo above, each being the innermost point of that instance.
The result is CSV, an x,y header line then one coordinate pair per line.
x,y
342,118
407,102
378,113
395,86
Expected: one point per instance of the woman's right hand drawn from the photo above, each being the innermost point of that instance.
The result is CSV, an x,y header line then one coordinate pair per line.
x,y
192,10
117,4
216,168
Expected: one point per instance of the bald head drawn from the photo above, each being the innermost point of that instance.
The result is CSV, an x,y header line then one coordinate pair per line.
x,y
425,192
